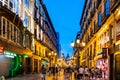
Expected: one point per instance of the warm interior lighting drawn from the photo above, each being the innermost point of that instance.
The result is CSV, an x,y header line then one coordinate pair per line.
x,y
119,12
55,54
117,43
49,54
52,52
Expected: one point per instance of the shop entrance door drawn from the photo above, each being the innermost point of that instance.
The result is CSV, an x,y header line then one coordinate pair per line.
x,y
111,66
117,67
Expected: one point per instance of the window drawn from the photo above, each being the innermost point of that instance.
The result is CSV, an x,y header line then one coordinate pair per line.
x,y
4,27
40,20
26,2
94,49
8,29
10,33
40,9
94,27
35,49
91,52
28,41
111,34
15,34
107,7
18,37
36,3
99,19
11,4
26,21
35,13
12,30
0,26
35,31
39,51
16,6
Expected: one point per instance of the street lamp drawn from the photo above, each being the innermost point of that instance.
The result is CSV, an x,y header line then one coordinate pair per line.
x,y
77,46
52,57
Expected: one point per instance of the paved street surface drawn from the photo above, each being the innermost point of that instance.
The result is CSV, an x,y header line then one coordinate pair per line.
x,y
37,77
60,76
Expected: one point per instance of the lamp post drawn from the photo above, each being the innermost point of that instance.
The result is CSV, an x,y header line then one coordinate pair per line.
x,y
77,46
52,57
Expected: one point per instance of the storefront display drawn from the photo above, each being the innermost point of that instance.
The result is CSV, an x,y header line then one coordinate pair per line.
x,y
102,64
10,64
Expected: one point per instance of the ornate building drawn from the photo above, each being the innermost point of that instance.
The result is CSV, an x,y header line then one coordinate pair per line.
x,y
27,37
100,23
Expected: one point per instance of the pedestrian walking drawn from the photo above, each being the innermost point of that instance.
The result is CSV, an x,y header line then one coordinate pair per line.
x,y
75,73
43,72
96,72
92,73
86,73
81,72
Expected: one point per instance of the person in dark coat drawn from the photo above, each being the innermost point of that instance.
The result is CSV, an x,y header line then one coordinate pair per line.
x,y
43,72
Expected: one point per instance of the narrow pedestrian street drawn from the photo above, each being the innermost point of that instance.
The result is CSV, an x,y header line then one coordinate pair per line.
x,y
37,77
59,76
60,40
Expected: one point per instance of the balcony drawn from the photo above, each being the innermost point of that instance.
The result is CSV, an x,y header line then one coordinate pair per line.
x,y
36,20
96,28
104,17
114,4
92,14
98,3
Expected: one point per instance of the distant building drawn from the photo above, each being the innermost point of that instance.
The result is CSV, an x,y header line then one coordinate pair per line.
x,y
59,45
67,58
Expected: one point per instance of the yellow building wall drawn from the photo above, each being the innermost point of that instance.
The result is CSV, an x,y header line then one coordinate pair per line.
x,y
104,28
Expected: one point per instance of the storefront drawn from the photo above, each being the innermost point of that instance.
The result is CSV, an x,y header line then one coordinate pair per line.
x,y
35,65
102,64
44,62
117,66
10,64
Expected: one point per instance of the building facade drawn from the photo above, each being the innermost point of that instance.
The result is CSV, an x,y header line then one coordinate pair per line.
x,y
59,46
100,23
76,49
27,36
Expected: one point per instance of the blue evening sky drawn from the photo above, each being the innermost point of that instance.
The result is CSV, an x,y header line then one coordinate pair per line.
x,y
65,16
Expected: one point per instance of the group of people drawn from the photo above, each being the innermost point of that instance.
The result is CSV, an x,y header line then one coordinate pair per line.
x,y
49,71
87,73
68,73
80,73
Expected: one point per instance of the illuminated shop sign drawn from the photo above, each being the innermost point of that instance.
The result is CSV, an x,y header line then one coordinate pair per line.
x,y
25,56
9,54
1,50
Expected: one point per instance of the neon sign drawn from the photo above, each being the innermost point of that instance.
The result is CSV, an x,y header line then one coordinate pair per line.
x,y
9,54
